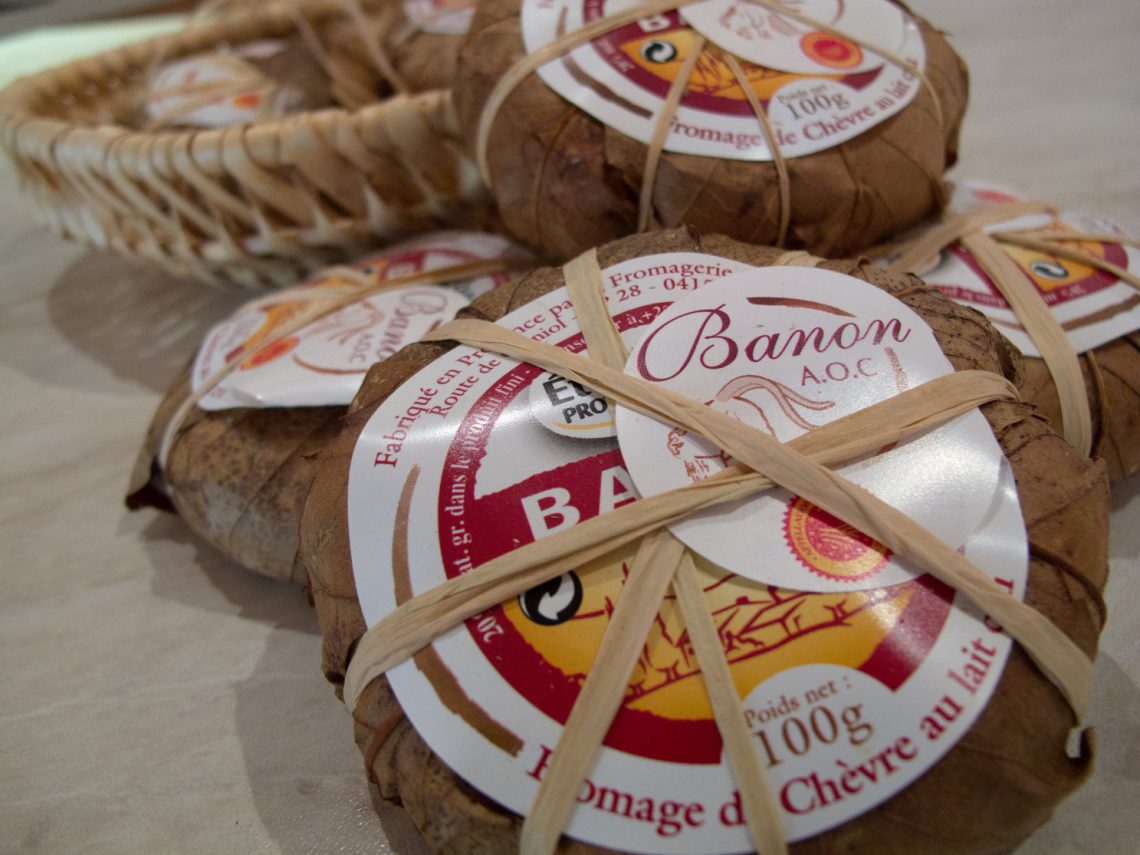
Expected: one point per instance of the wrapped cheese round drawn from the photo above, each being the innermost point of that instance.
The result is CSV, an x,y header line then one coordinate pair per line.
x,y
268,393
851,148
367,52
850,665
256,81
1083,267
1111,375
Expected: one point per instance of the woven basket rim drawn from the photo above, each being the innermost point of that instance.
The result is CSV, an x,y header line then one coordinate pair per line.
x,y
255,203
36,137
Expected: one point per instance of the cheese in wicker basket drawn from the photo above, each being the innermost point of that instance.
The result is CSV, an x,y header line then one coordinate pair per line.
x,y
259,80
232,445
321,142
822,125
540,603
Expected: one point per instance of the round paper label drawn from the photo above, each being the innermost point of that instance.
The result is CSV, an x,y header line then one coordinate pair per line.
x,y
323,363
183,91
850,695
786,365
766,38
1093,305
446,17
817,90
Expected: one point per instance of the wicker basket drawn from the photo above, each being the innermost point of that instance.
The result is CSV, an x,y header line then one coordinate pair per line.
x,y
257,205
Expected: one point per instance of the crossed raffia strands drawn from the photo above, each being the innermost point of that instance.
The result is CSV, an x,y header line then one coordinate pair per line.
x,y
567,42
1026,302
662,561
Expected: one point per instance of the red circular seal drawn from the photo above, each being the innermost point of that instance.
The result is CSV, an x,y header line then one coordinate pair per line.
x,y
829,547
831,51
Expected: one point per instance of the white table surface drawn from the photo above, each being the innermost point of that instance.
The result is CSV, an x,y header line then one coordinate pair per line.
x,y
156,698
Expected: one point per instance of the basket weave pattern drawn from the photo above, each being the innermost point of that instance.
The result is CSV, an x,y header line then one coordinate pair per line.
x,y
257,205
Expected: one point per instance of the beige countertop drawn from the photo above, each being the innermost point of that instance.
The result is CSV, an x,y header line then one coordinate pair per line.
x,y
159,699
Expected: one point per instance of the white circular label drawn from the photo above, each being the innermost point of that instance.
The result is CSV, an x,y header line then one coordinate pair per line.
x,y
849,695
786,365
570,409
776,41
323,363
218,90
816,90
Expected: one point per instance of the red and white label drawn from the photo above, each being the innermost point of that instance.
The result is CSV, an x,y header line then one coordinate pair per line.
x,y
850,694
786,365
817,89
775,41
220,90
323,363
1093,305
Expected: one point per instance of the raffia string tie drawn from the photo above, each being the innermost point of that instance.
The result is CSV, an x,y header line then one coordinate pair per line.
x,y
1026,302
1065,665
567,42
418,621
661,561
318,302
1054,244
781,164
661,131
795,466
1045,331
